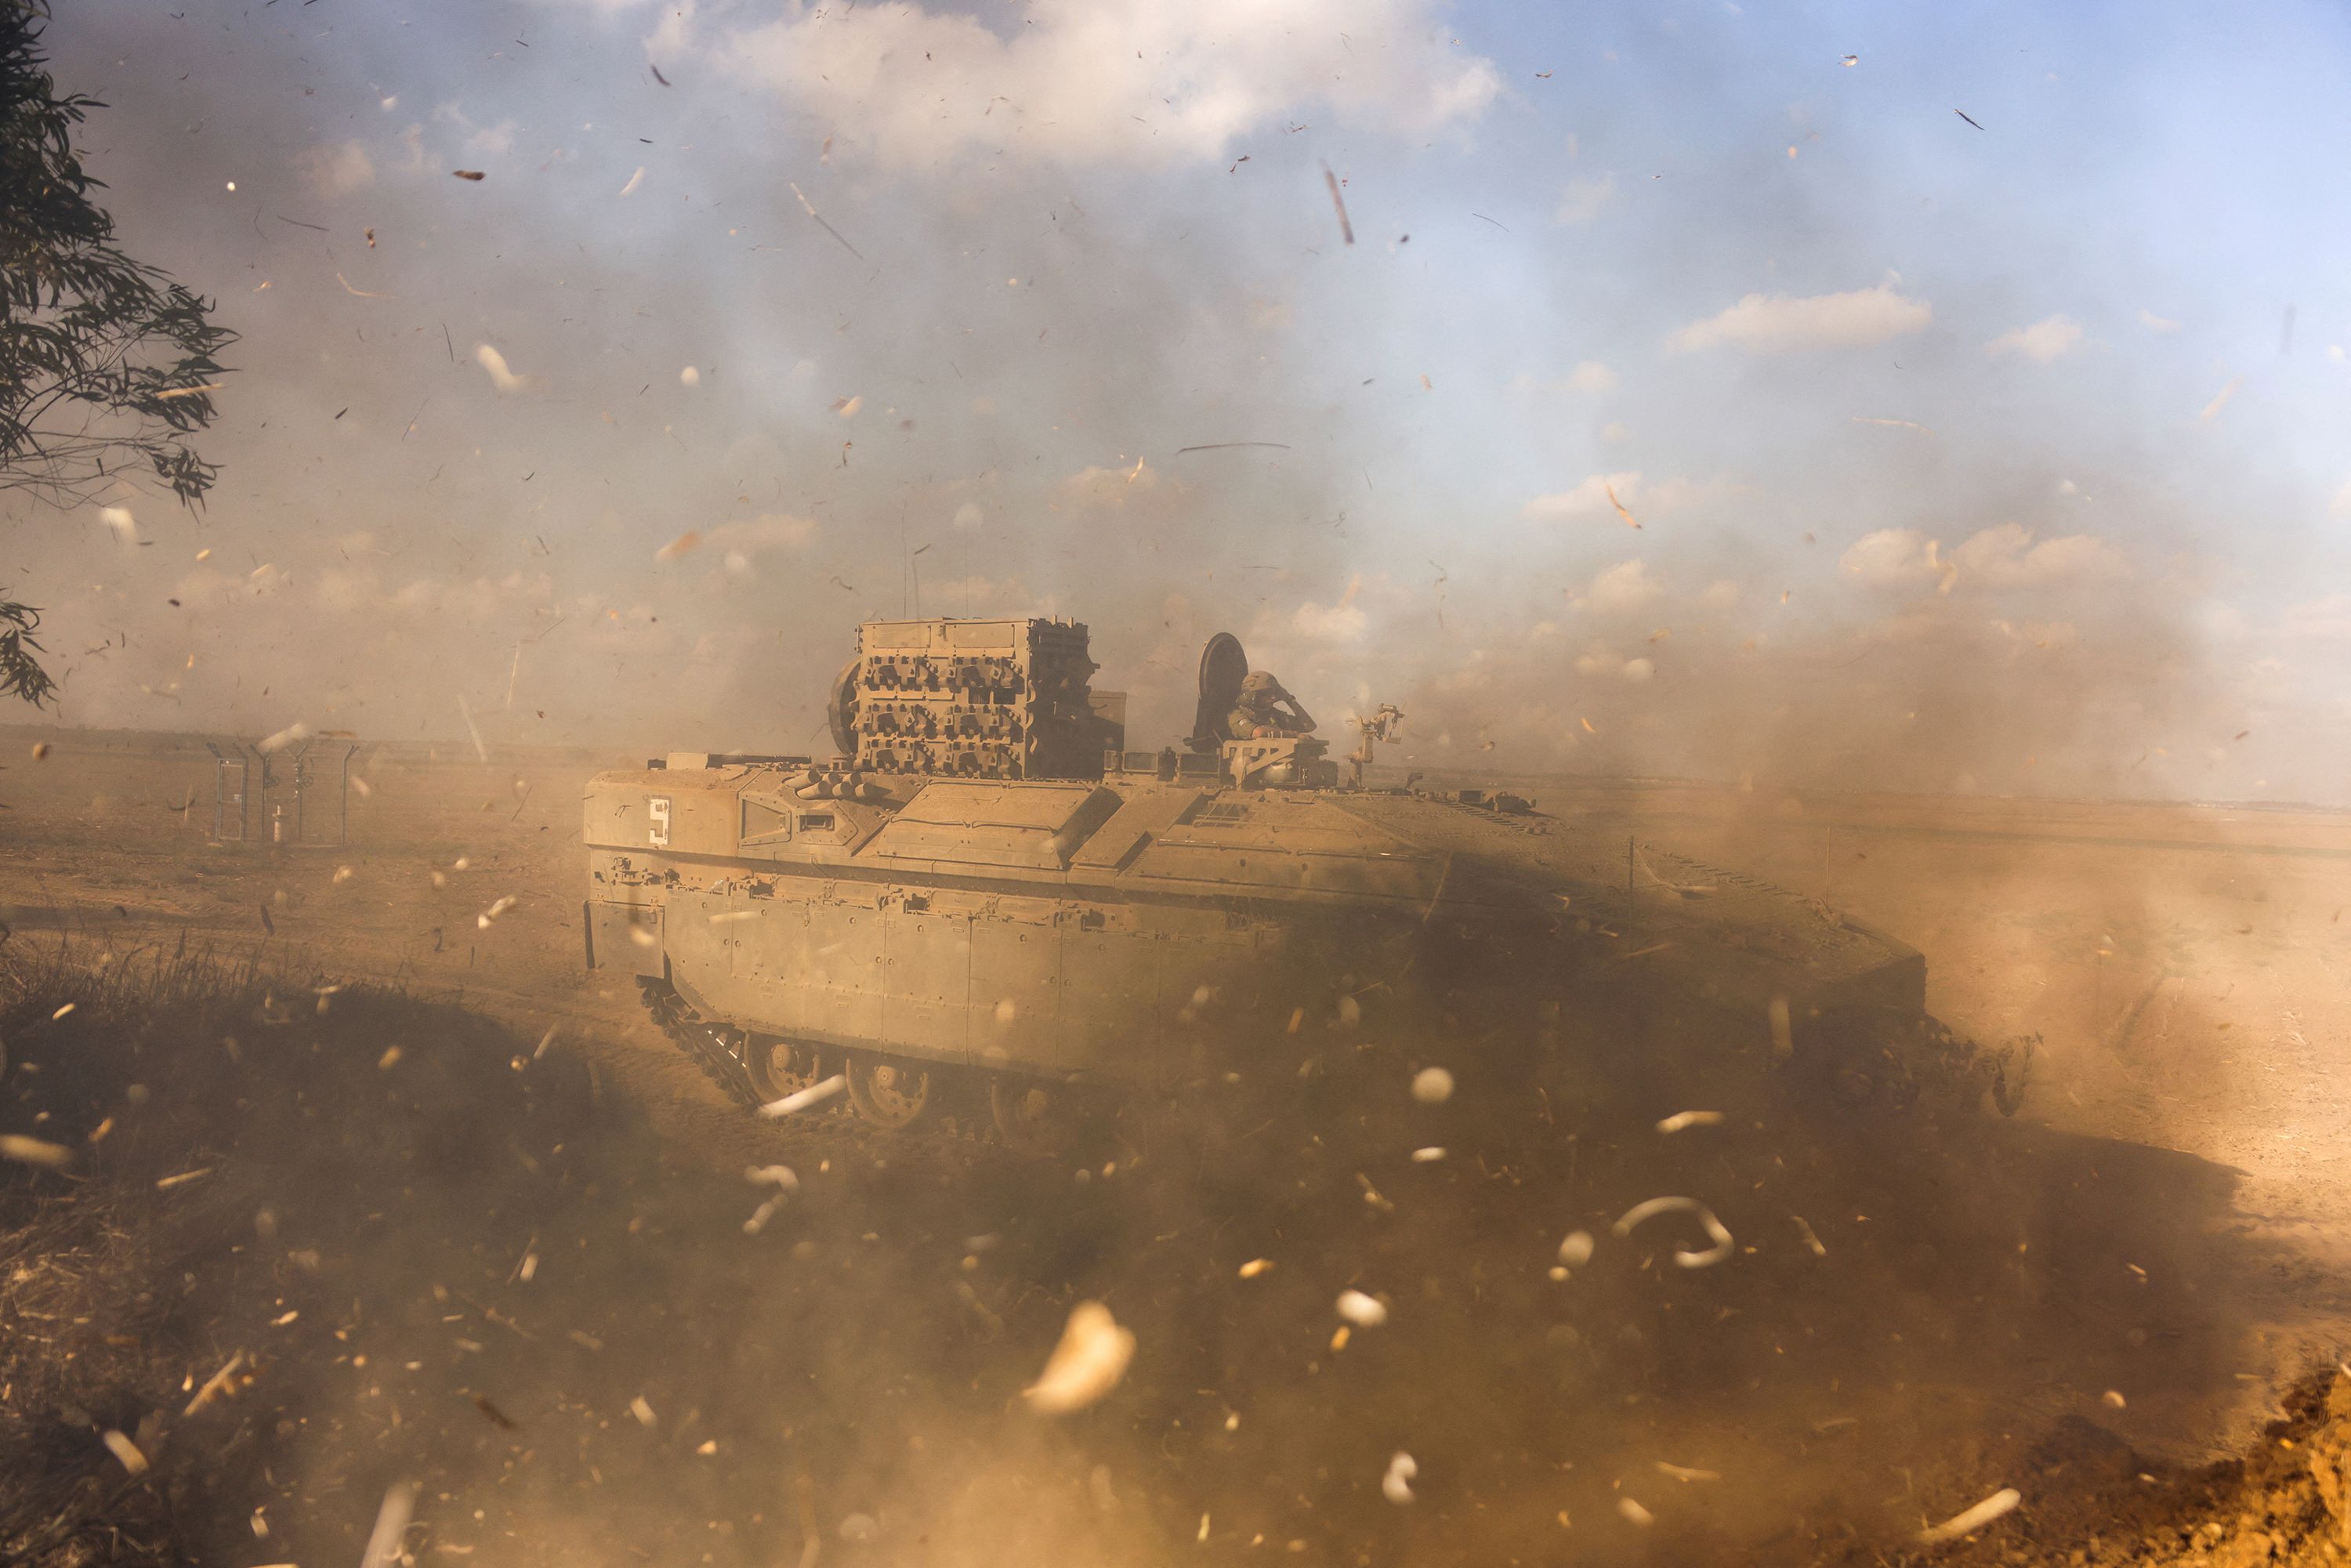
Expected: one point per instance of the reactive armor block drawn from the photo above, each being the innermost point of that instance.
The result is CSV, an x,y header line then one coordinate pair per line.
x,y
978,699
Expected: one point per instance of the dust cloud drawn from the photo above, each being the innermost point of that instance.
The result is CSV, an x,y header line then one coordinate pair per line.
x,y
969,335
1718,442
448,1259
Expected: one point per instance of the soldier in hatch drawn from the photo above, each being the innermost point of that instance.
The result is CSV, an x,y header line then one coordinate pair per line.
x,y
1265,711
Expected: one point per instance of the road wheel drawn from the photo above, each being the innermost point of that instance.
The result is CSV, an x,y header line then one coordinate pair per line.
x,y
1034,1118
781,1067
890,1094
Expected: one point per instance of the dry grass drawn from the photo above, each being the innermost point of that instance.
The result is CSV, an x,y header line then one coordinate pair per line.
x,y
117,1280
84,1332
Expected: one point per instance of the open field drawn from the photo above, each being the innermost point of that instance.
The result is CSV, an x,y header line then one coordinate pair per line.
x,y
2167,1219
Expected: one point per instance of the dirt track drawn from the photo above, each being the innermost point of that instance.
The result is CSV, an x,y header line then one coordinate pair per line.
x,y
2164,1221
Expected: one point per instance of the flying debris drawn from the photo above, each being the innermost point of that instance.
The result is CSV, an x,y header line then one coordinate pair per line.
x,y
1964,115
1629,520
33,1151
2001,1503
810,211
384,1542
469,174
1683,1255
505,380
1092,1357
1684,1472
1339,204
802,1099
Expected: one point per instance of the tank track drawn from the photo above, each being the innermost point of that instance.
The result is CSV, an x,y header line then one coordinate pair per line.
x,y
701,1041
1898,1064
706,1044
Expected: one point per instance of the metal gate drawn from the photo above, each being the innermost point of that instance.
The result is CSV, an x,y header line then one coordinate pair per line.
x,y
299,795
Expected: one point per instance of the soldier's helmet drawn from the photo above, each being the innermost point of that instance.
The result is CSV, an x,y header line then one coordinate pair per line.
x,y
1260,683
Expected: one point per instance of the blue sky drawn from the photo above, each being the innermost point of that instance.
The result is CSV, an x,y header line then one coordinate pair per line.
x,y
1997,479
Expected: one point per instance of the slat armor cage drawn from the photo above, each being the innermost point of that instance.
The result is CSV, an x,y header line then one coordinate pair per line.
x,y
979,699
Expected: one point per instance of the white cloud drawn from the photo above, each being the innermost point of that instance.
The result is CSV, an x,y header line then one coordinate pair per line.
x,y
1891,557
1585,197
1136,488
1674,495
1590,498
2342,505
2044,340
2220,400
1586,499
2154,323
1341,622
753,536
1779,323
491,138
1589,376
1621,589
361,591
338,170
2004,556
2042,634
2325,620
505,380
1601,660
1102,82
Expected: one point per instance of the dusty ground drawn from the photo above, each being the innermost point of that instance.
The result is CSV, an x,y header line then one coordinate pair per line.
x,y
2164,1222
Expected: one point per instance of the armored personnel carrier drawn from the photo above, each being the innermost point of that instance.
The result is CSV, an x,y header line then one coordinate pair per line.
x,y
985,901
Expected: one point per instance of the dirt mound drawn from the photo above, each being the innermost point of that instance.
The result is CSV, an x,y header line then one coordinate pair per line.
x,y
2100,1505
309,1247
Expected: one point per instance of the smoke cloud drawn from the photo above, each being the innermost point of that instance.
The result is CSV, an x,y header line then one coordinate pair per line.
x,y
1049,310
